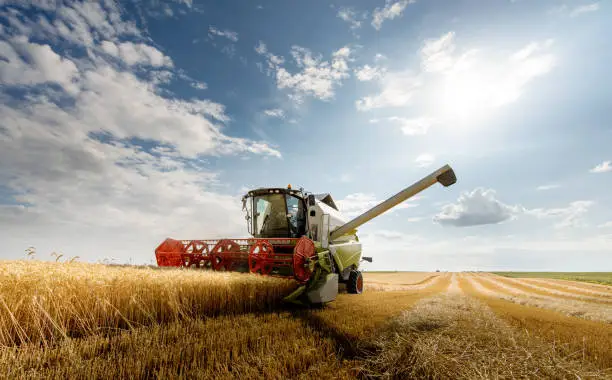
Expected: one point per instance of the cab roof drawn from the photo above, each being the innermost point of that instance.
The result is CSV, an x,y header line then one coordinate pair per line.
x,y
274,190
323,197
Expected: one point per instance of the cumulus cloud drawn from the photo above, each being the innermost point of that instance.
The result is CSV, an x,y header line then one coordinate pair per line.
x,y
317,77
137,54
474,208
481,206
390,11
108,162
368,73
78,23
42,65
602,168
398,90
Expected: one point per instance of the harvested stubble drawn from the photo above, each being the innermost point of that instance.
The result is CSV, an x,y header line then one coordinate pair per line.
x,y
41,302
590,340
456,337
358,316
522,295
569,287
527,286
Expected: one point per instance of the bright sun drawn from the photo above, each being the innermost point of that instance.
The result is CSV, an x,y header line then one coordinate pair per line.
x,y
465,95
470,92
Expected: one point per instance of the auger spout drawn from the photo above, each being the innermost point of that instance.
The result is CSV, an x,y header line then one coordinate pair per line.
x,y
445,176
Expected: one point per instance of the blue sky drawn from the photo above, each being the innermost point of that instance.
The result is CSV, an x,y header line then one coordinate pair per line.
x,y
126,123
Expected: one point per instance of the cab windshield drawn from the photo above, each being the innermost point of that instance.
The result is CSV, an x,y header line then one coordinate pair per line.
x,y
277,215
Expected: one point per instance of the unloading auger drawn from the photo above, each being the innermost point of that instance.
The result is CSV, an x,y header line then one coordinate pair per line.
x,y
295,235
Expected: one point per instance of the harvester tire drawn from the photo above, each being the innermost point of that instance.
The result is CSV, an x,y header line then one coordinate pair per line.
x,y
354,285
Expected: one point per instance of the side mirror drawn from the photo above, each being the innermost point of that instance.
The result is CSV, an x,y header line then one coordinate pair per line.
x,y
368,259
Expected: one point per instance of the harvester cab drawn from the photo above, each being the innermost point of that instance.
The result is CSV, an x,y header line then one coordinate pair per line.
x,y
295,235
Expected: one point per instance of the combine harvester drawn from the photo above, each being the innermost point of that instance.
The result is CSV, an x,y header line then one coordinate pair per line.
x,y
296,235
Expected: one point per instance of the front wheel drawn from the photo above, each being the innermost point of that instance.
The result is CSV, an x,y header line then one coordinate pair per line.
x,y
354,284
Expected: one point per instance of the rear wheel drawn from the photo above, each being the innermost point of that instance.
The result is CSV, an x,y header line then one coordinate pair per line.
x,y
354,285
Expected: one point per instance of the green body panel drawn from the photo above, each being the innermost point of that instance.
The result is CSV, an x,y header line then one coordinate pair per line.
x,y
346,255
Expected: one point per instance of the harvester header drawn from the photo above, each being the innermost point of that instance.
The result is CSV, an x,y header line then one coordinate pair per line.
x,y
295,235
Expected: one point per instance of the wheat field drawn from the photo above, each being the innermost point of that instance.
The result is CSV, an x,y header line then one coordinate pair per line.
x,y
82,321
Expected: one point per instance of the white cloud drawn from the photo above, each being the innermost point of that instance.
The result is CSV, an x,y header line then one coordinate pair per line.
x,y
199,85
570,216
350,16
460,84
317,78
261,48
137,54
390,11
606,225
43,65
436,54
602,168
410,127
547,187
368,73
424,160
398,90
577,11
79,23
357,203
230,35
77,169
379,57
480,206
474,208
275,112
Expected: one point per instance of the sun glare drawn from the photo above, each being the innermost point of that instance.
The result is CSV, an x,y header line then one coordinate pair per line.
x,y
465,94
